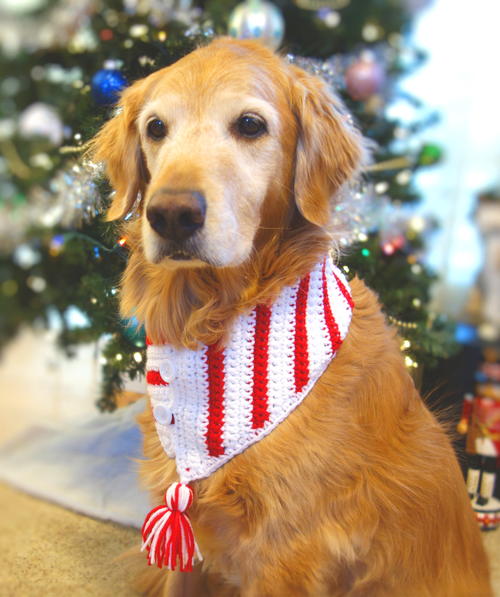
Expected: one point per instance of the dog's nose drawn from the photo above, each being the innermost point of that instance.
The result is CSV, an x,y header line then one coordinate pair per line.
x,y
176,215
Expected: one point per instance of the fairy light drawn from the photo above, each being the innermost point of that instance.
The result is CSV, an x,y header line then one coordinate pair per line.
x,y
137,357
118,356
103,360
388,248
123,241
362,237
346,269
405,344
409,362
402,324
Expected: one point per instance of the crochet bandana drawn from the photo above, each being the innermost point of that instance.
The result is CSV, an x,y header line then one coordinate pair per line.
x,y
211,404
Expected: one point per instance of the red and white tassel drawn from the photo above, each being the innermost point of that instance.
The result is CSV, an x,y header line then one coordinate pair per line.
x,y
167,533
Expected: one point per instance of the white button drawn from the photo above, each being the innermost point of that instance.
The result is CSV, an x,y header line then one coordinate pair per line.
x,y
162,414
166,371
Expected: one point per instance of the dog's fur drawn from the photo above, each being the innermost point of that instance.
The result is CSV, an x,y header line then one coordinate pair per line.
x,y
358,491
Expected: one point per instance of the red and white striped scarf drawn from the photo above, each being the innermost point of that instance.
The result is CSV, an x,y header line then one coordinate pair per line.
x,y
211,404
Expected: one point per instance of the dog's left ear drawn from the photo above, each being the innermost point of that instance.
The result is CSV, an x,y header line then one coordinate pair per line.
x,y
329,149
117,145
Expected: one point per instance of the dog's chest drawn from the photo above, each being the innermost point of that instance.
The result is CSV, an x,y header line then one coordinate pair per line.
x,y
210,404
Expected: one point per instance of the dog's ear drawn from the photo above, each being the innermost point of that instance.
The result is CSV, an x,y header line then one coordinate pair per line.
x,y
117,145
329,149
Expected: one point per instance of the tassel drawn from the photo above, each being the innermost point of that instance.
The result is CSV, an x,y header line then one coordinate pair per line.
x,y
167,533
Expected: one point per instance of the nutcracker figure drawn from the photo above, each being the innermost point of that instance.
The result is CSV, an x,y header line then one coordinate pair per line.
x,y
481,422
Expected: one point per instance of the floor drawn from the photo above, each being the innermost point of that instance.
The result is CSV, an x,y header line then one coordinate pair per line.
x,y
52,552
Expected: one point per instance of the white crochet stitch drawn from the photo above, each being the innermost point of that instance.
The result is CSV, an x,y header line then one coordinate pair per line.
x,y
182,391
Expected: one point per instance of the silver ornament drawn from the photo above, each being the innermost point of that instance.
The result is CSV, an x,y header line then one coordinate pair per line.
x,y
42,120
257,19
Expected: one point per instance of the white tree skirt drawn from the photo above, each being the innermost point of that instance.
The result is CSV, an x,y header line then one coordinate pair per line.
x,y
86,465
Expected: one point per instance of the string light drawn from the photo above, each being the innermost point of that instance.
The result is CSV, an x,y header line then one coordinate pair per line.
x,y
388,248
118,356
409,362
405,344
137,357
123,241
402,324
103,360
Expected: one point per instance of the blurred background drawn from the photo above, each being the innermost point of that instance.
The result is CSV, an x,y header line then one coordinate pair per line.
x,y
422,228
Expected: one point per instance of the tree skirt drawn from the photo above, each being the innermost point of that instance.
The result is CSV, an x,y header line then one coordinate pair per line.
x,y
87,466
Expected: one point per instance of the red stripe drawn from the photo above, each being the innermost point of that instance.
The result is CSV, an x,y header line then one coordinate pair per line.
x,y
344,291
331,324
213,436
301,365
154,378
260,411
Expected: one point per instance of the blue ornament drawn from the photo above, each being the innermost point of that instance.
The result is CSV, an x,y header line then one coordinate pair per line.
x,y
106,86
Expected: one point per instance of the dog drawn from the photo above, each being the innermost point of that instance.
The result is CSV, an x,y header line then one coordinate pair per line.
x,y
231,160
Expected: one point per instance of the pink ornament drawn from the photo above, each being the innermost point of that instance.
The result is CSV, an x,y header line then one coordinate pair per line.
x,y
364,78
415,6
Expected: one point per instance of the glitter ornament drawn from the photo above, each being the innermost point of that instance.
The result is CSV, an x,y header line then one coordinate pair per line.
x,y
106,86
41,120
255,19
364,78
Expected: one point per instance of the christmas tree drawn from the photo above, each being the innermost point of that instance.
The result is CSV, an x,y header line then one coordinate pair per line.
x,y
64,65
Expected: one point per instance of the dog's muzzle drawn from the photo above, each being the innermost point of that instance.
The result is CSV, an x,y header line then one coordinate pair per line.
x,y
176,215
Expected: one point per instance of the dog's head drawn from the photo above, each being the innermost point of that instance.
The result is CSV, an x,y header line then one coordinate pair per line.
x,y
220,146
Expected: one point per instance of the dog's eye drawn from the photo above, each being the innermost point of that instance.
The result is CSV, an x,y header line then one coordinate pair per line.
x,y
156,129
250,126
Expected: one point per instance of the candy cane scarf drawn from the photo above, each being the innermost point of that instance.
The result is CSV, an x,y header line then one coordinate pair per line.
x,y
211,404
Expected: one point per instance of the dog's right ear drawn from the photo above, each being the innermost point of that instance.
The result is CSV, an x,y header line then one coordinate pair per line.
x,y
117,145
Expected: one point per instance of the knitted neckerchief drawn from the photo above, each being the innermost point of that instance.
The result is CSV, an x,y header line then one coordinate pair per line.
x,y
211,404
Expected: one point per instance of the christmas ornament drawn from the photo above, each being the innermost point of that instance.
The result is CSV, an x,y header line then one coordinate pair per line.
x,y
18,7
429,154
257,19
54,26
211,404
364,77
106,85
41,120
414,6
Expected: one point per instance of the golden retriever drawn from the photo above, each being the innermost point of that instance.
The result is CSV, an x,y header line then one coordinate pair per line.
x,y
358,491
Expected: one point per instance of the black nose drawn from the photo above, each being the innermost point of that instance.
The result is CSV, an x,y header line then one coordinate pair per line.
x,y
176,215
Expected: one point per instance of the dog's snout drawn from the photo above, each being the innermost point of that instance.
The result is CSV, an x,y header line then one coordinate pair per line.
x,y
176,215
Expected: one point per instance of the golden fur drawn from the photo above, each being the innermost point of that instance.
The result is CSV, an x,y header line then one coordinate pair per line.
x,y
358,491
